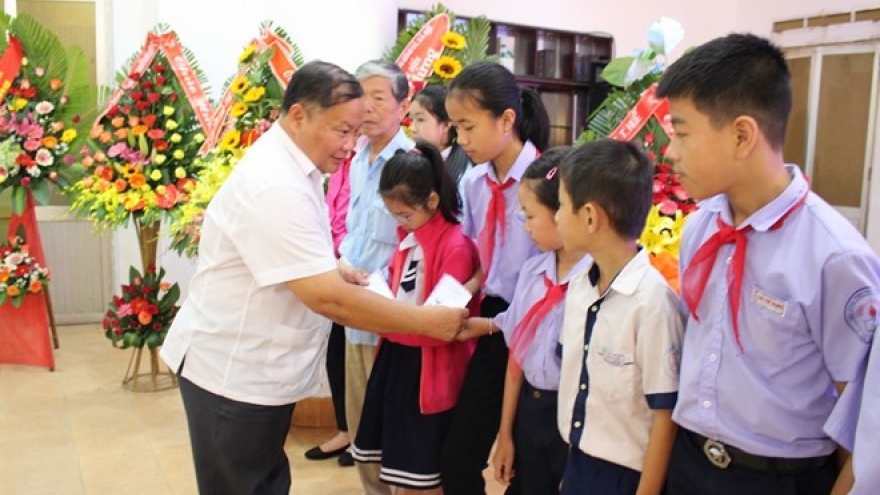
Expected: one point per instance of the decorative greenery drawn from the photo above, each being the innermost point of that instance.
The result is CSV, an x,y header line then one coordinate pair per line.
x,y
143,313
465,43
142,163
20,274
42,114
256,97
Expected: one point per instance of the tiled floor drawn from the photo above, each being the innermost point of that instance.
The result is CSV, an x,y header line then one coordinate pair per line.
x,y
76,431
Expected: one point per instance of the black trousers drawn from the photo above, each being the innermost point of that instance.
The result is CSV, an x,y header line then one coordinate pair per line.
x,y
238,448
691,473
336,373
541,452
476,418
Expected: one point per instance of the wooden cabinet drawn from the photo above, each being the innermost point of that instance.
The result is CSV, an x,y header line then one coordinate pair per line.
x,y
562,66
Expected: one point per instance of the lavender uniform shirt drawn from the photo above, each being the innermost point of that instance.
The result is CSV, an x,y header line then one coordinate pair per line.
x,y
805,322
542,363
510,255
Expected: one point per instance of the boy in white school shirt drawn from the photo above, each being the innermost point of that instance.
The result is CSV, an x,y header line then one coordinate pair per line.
x,y
621,336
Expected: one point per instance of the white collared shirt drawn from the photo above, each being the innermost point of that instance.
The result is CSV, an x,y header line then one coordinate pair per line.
x,y
631,365
244,334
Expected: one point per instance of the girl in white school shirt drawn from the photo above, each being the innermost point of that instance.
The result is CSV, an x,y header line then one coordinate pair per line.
x,y
530,455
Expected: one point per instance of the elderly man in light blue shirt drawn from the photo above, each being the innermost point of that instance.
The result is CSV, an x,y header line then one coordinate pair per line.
x,y
372,231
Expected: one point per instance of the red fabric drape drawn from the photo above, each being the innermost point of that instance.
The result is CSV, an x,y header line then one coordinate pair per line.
x,y
24,331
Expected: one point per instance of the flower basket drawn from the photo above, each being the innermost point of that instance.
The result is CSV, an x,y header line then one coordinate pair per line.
x,y
139,318
41,112
248,108
21,275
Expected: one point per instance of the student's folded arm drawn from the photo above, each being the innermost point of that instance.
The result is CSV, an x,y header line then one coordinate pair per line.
x,y
347,304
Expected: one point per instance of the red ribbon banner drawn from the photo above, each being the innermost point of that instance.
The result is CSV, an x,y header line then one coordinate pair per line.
x,y
10,64
648,106
418,57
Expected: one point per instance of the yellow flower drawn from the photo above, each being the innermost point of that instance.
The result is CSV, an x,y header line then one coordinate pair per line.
x,y
453,40
447,67
170,125
167,111
199,138
159,159
18,104
68,135
179,172
156,175
176,138
230,140
238,109
254,94
239,85
178,154
663,233
247,53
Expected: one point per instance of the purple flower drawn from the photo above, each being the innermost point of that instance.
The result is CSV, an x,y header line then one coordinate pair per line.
x,y
117,149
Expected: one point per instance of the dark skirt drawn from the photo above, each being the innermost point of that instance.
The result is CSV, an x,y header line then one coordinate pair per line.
x,y
393,431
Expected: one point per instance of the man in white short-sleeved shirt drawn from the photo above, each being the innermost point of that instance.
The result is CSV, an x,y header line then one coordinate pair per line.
x,y
250,341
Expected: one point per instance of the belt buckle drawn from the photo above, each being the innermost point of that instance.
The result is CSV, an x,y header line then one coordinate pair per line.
x,y
716,453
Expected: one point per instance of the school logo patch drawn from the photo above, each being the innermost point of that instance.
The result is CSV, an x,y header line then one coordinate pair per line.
x,y
673,360
861,313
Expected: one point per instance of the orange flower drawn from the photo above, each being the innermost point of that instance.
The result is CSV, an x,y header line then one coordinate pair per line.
x,y
13,291
164,286
4,274
133,120
50,142
35,286
145,318
139,130
106,137
96,131
137,180
56,84
118,121
121,185
121,133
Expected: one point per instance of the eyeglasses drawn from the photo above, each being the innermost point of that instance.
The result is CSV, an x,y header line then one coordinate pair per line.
x,y
407,217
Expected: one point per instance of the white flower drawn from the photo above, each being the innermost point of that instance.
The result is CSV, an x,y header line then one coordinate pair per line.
x,y
33,171
44,107
44,157
14,259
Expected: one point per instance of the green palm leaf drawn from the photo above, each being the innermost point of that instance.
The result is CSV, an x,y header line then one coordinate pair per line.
x,y
476,36
41,47
5,19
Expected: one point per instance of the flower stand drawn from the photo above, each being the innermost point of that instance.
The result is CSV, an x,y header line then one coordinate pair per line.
x,y
154,380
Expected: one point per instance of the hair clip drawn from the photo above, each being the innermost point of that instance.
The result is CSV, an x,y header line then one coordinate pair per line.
x,y
551,173
416,151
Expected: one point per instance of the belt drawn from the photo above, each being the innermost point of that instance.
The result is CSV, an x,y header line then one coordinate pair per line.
x,y
722,456
536,393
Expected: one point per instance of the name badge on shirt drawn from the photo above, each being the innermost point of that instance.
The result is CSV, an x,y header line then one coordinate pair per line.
x,y
613,358
770,303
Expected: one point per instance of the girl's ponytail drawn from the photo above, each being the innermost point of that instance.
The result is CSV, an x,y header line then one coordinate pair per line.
x,y
534,123
450,202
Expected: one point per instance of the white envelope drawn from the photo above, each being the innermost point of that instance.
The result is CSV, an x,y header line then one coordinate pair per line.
x,y
449,292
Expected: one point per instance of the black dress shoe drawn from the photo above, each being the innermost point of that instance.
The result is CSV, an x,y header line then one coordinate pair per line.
x,y
316,454
345,459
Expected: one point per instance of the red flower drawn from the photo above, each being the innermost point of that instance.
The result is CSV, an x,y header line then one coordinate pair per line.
x,y
158,67
126,109
167,200
152,309
160,81
139,305
113,111
24,160
29,93
149,120
157,327
154,97
172,97
160,145
137,95
134,76
142,105
248,137
147,84
155,134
